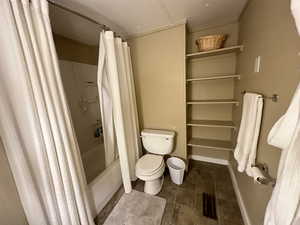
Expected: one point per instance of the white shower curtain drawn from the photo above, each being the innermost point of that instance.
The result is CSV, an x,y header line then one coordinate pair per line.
x,y
116,84
35,122
128,104
133,105
106,108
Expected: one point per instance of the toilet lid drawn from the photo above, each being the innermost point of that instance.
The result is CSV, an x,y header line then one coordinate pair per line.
x,y
149,163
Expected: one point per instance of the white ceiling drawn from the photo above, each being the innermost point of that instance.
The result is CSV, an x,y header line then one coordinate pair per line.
x,y
134,17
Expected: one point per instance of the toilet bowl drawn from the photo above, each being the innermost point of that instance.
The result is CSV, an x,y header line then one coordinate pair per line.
x,y
150,167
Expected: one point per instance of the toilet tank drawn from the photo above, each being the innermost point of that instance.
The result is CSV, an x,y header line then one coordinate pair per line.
x,y
159,142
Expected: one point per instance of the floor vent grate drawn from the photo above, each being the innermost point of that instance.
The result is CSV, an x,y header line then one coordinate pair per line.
x,y
209,206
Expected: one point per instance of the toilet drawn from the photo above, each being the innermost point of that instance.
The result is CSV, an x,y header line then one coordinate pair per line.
x,y
150,167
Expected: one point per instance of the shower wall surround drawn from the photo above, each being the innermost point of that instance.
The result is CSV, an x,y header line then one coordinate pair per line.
x,y
80,83
78,64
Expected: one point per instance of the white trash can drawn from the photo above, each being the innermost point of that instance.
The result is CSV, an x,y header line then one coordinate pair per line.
x,y
176,168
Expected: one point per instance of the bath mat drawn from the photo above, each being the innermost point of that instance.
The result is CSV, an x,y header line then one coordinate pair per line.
x,y
209,206
137,208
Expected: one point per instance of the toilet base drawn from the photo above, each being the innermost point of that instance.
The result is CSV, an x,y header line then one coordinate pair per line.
x,y
153,187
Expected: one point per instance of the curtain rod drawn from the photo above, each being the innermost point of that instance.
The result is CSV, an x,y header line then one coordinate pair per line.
x,y
103,26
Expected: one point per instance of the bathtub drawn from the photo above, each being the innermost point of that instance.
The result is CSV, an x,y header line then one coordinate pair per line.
x,y
104,186
102,183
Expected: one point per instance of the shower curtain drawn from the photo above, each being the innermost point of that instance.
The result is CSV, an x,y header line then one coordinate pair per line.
x,y
35,122
116,91
106,109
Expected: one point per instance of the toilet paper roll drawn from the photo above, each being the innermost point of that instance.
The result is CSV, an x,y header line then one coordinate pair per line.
x,y
258,176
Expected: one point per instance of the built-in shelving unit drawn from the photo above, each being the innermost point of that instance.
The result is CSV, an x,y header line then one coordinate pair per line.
x,y
211,144
221,51
193,125
216,77
213,102
211,123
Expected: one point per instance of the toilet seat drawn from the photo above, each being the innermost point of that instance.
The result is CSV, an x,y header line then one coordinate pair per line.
x,y
149,165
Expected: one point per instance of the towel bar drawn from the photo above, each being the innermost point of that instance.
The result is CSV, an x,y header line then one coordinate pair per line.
x,y
274,97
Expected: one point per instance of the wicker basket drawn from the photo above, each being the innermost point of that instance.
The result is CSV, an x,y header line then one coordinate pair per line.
x,y
211,42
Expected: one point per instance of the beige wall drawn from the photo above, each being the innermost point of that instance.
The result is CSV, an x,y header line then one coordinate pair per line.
x,y
267,29
159,72
68,49
217,89
11,210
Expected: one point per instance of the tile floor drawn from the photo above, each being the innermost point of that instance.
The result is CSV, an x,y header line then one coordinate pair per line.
x,y
184,202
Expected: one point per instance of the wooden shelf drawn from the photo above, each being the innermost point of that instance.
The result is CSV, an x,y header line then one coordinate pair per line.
x,y
213,77
211,123
211,144
211,102
221,51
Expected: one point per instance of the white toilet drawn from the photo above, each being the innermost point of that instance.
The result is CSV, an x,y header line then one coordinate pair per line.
x,y
150,168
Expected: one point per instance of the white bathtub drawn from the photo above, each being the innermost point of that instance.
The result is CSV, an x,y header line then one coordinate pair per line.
x,y
103,183
105,186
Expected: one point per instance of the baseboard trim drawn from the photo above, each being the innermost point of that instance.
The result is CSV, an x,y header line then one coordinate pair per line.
x,y
238,194
209,159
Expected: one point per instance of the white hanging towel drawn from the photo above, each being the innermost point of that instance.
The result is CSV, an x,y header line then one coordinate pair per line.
x,y
283,208
245,151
